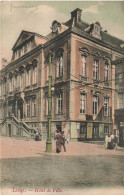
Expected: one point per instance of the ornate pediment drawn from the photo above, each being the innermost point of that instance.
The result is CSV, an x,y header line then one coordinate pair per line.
x,y
25,35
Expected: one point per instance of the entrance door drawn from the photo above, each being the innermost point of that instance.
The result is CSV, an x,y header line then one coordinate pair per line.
x,y
9,127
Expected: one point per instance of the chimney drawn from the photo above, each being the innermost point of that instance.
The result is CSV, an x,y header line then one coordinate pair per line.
x,y
76,14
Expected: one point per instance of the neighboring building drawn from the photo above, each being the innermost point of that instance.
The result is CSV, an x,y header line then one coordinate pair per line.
x,y
119,98
82,77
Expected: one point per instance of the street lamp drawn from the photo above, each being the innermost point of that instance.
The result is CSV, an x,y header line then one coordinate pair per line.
x,y
49,140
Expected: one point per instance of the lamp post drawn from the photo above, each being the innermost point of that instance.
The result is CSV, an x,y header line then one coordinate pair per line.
x,y
49,141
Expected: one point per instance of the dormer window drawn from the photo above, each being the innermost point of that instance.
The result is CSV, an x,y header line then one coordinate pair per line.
x,y
97,29
29,46
17,54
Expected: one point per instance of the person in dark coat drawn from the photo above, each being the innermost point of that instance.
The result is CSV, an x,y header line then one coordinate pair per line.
x,y
63,141
58,139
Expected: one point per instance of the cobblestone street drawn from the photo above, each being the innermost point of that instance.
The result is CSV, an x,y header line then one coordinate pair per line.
x,y
26,166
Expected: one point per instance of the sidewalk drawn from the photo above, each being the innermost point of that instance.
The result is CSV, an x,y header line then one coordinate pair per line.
x,y
16,148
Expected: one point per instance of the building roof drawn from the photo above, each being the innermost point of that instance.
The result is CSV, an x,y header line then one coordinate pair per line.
x,y
106,38
29,35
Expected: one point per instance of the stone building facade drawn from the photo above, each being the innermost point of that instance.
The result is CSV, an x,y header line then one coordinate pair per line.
x,y
82,79
119,98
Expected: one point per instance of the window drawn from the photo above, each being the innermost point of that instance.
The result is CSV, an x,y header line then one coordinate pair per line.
x,y
83,129
95,104
10,85
106,72
17,54
35,75
120,77
121,100
95,130
13,83
60,66
83,103
106,102
28,108
23,50
20,80
84,66
28,78
96,70
106,129
59,103
29,46
34,107
97,28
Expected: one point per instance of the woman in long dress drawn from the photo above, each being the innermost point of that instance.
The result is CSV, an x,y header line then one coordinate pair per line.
x,y
58,138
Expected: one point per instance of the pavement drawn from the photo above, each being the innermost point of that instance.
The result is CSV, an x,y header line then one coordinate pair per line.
x,y
85,169
17,148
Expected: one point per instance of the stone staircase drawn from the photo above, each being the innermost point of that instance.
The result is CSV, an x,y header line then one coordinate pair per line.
x,y
12,127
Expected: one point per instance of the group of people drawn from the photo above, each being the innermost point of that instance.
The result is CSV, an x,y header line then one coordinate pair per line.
x,y
111,142
60,141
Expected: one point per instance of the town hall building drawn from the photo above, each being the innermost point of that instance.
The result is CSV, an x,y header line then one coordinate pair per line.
x,y
83,81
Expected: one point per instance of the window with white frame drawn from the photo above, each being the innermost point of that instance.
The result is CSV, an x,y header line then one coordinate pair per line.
x,y
96,70
95,104
60,66
106,103
121,100
59,103
84,67
28,108
106,72
34,107
28,77
83,103
35,75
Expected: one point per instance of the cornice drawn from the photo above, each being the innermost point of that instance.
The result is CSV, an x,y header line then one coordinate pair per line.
x,y
99,42
118,61
22,58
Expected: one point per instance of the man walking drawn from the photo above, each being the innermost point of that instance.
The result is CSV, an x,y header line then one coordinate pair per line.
x,y
63,141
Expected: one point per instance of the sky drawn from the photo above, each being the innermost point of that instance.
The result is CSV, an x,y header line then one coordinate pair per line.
x,y
37,16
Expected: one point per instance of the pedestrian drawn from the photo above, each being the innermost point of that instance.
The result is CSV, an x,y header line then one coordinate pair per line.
x,y
116,141
63,141
106,141
112,143
37,136
67,138
58,139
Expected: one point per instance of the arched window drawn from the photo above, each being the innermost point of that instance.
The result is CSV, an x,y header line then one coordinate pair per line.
x,y
34,63
84,54
60,62
28,75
